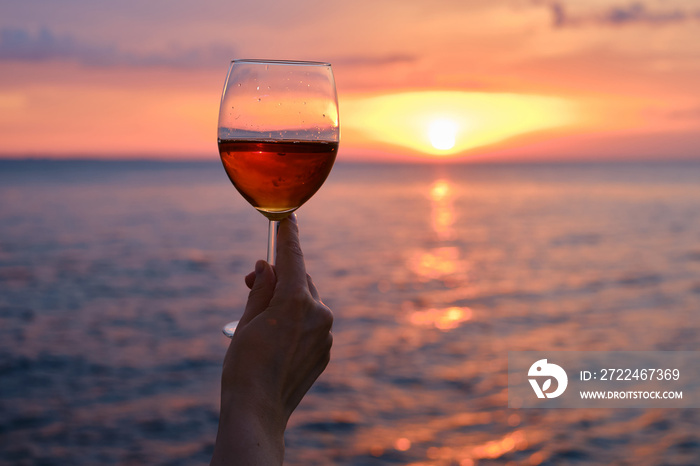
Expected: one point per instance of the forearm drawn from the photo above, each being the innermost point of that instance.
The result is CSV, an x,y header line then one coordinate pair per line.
x,y
246,438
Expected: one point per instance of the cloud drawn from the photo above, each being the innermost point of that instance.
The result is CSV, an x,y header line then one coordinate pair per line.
x,y
44,45
616,15
22,45
692,113
358,60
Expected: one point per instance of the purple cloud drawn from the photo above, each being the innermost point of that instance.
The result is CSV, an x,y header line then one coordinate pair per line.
x,y
44,45
617,15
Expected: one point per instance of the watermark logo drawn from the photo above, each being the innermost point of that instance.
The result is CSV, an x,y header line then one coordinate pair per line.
x,y
544,369
603,379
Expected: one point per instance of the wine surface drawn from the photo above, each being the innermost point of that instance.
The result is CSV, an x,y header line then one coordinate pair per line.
x,y
276,177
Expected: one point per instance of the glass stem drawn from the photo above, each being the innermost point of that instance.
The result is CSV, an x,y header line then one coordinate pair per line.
x,y
272,241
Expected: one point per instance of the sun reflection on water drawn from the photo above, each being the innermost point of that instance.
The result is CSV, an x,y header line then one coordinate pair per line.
x,y
443,214
497,448
442,261
491,450
443,319
437,263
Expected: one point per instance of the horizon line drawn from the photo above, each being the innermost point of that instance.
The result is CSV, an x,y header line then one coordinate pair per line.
x,y
476,160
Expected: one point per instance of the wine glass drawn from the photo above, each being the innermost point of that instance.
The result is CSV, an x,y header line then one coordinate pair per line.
x,y
278,136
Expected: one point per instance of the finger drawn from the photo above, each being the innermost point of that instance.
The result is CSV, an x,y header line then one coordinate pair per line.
x,y
290,268
260,293
250,280
312,287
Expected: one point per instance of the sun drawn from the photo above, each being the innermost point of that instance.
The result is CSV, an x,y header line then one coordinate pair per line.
x,y
451,123
443,133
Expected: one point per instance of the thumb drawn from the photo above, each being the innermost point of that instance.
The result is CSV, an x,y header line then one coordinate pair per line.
x,y
260,293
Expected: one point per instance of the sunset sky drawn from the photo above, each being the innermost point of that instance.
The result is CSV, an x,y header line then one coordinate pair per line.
x,y
417,80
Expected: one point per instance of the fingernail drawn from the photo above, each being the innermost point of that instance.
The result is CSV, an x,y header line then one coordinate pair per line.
x,y
259,267
293,218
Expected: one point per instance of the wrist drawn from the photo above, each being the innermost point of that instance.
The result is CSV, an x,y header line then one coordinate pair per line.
x,y
250,432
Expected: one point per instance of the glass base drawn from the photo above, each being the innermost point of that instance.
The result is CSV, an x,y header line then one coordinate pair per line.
x,y
230,328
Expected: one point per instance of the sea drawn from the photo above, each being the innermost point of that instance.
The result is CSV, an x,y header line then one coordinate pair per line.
x,y
116,277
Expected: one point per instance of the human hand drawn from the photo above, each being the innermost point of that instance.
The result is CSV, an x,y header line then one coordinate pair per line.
x,y
280,347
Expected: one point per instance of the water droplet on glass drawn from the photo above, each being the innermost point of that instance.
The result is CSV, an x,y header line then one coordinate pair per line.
x,y
258,99
324,115
257,88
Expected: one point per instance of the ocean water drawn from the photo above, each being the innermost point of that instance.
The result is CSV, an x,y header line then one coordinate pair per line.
x,y
115,278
